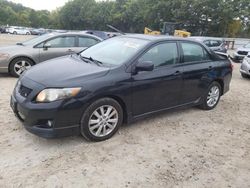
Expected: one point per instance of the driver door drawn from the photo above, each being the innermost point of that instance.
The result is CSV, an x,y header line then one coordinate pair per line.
x,y
160,88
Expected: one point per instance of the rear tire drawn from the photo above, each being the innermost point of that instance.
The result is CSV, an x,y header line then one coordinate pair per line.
x,y
101,120
212,97
19,65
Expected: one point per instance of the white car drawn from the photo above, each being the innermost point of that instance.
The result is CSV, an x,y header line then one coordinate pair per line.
x,y
245,67
19,31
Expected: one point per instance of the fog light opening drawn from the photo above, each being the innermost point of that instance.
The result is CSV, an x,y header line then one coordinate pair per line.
x,y
49,123
45,123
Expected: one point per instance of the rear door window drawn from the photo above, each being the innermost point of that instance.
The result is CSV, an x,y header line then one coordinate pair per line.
x,y
194,52
86,41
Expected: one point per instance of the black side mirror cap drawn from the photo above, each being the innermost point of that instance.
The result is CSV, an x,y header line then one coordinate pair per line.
x,y
144,66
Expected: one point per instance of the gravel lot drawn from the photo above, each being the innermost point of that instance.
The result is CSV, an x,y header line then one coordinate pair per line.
x,y
184,148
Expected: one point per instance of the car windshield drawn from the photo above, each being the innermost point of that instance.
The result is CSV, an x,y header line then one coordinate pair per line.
x,y
115,51
36,40
247,45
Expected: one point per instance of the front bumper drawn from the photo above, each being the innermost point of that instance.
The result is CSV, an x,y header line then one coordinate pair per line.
x,y
48,120
35,121
4,65
245,67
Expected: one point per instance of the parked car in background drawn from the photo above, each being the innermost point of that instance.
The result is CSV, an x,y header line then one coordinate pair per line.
x,y
216,44
118,80
16,59
2,29
18,31
241,52
102,34
39,31
245,66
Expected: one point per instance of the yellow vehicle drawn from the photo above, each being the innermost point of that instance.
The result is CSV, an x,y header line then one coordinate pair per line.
x,y
169,28
182,33
148,31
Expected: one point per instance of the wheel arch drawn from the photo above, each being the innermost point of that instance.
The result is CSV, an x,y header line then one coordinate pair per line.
x,y
21,56
221,82
119,100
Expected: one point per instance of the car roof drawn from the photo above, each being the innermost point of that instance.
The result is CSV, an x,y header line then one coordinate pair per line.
x,y
155,38
55,34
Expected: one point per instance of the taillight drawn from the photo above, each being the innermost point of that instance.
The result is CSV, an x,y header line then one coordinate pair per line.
x,y
232,66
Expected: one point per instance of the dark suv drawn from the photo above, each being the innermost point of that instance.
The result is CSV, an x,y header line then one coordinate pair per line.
x,y
116,81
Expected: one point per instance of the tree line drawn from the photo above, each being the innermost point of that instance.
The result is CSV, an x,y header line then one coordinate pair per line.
x,y
227,18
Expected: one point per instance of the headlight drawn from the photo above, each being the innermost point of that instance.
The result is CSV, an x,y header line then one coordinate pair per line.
x,y
49,95
4,55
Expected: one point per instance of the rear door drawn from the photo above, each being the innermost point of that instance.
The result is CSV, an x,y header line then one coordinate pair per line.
x,y
197,65
84,42
160,88
58,46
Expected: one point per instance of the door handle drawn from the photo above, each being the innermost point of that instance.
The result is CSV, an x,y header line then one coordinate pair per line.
x,y
210,67
70,50
177,73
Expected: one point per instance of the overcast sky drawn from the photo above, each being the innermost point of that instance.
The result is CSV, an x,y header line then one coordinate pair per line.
x,y
41,4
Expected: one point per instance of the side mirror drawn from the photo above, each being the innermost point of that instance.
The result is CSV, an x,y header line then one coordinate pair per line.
x,y
46,46
144,66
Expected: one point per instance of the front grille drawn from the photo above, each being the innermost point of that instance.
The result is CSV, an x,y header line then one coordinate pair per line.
x,y
242,52
24,91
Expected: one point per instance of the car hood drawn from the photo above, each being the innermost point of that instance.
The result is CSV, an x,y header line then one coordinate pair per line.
x,y
66,71
243,49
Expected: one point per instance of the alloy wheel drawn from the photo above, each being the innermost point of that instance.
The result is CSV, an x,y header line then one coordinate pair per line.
x,y
103,121
21,66
213,96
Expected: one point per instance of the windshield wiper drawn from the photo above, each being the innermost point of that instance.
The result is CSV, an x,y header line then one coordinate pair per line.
x,y
92,60
85,59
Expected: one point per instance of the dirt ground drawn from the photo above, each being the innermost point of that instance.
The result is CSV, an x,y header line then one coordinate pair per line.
x,y
184,148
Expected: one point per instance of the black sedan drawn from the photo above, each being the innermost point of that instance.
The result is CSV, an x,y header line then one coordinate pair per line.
x,y
116,81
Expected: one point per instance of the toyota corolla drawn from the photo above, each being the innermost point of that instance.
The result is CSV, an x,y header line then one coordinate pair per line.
x,y
119,80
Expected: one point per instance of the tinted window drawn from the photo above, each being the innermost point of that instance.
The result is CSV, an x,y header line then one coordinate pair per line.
x,y
62,42
215,43
87,42
162,54
194,52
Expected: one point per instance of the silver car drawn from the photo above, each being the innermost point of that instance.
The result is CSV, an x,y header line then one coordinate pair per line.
x,y
245,67
16,59
241,52
215,44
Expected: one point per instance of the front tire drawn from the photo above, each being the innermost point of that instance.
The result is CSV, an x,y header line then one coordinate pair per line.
x,y
212,97
19,65
101,120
